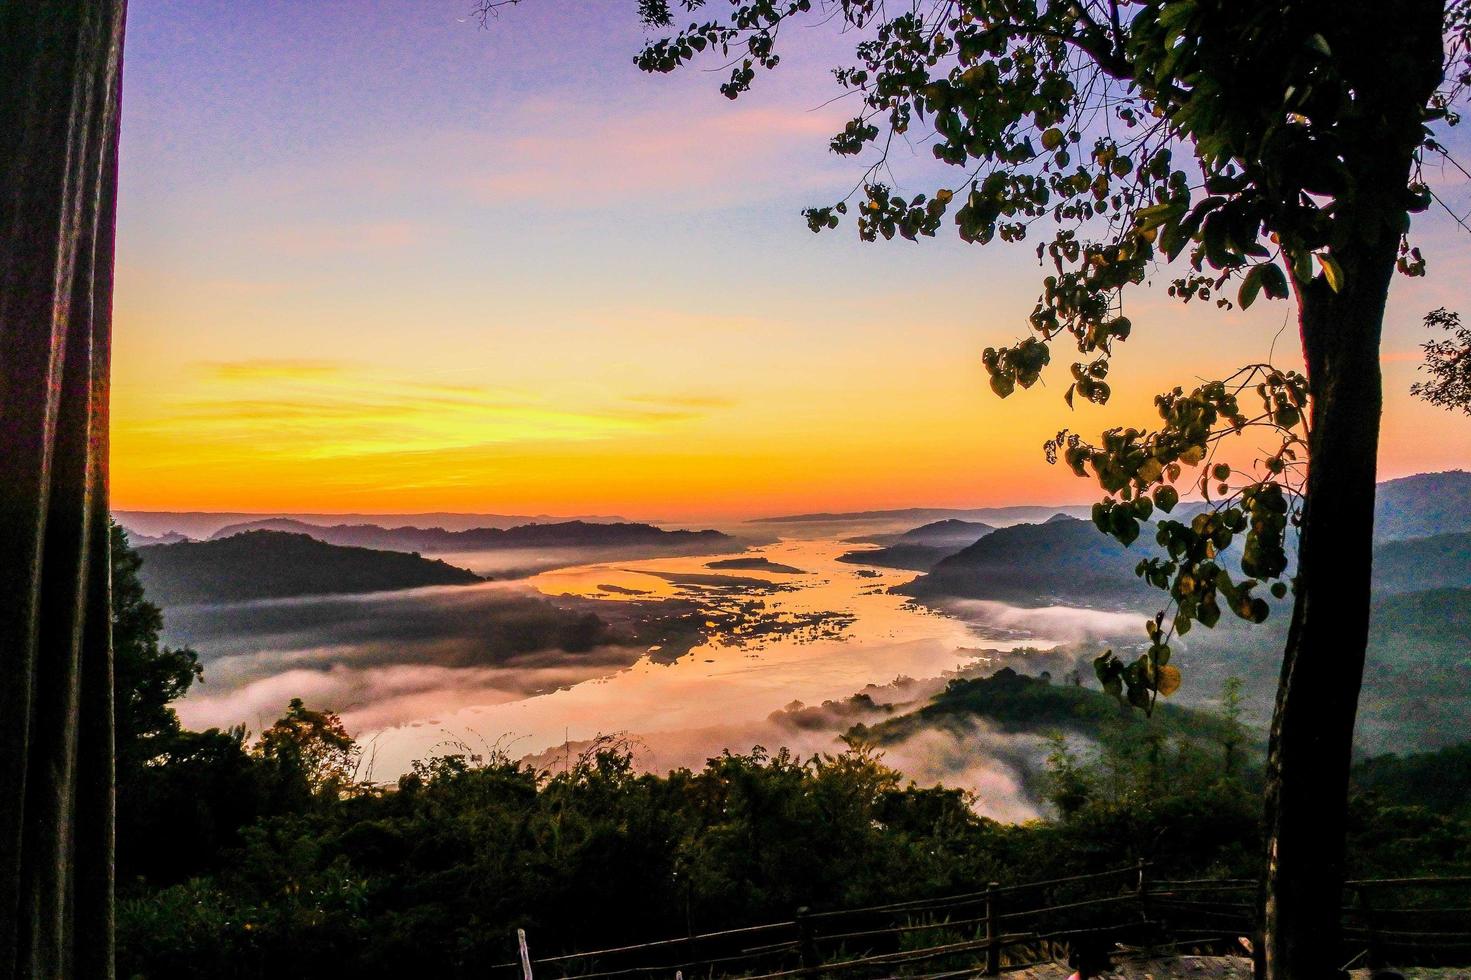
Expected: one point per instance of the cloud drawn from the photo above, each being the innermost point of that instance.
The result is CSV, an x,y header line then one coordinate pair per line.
x,y
1064,624
271,368
324,409
387,659
371,699
998,769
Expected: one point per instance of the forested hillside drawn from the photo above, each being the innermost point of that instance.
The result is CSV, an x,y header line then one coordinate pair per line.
x,y
275,565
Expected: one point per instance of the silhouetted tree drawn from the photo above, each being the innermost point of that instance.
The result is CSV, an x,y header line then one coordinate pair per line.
x,y
1274,150
60,62
1448,362
149,677
311,746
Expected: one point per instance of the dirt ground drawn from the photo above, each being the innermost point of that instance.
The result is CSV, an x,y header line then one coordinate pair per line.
x,y
1210,968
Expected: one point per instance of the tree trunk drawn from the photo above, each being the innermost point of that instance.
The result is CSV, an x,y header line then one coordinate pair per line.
x,y
1322,667
1311,745
60,65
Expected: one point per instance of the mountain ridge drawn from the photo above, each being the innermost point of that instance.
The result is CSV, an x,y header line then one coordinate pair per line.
x,y
562,534
278,565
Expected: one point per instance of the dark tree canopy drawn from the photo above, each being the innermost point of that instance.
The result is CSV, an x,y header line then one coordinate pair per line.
x,y
1238,139
1448,362
148,676
1254,150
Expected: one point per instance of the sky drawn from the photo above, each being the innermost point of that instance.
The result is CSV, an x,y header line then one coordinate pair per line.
x,y
375,258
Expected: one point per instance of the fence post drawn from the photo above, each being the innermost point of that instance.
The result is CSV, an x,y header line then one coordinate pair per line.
x,y
525,954
1366,908
1141,892
807,942
993,931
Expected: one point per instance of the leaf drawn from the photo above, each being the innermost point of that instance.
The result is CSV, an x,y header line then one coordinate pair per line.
x,y
1250,287
1274,281
1052,139
1166,680
1332,271
1166,497
1153,216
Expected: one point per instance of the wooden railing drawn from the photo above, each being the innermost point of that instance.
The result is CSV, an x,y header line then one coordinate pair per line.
x,y
998,929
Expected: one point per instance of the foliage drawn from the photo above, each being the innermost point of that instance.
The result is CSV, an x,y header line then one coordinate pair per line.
x,y
312,746
184,797
1448,362
1243,141
274,862
435,875
148,677
1439,781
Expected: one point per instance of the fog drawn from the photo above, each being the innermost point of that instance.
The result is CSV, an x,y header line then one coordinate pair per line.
x,y
682,661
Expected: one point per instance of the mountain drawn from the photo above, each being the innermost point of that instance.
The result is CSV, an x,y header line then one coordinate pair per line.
x,y
170,537
919,549
1440,781
202,524
992,515
1423,526
949,533
1014,702
1064,561
565,534
275,564
913,557
1416,564
1423,505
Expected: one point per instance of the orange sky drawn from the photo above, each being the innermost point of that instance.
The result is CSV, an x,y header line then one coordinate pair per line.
x,y
399,264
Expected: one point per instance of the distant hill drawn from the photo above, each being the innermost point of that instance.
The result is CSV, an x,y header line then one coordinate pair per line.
x,y
1064,561
919,549
951,533
913,557
1422,505
565,534
1017,704
1440,781
200,524
991,515
141,540
275,564
1069,560
1416,564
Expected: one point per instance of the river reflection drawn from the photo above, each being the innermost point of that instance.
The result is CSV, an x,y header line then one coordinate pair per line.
x,y
823,631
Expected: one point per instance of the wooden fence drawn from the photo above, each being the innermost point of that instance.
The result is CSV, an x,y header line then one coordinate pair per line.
x,y
998,929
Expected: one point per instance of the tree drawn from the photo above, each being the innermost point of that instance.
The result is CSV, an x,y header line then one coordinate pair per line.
x,y
182,796
148,677
314,746
1448,362
1272,149
59,88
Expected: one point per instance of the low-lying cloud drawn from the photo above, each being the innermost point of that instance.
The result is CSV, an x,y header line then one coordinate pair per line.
x,y
389,658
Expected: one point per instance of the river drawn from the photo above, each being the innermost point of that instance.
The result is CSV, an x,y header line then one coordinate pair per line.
x,y
830,630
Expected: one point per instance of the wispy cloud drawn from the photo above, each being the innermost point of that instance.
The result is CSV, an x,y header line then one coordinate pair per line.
x,y
324,409
691,401
270,369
